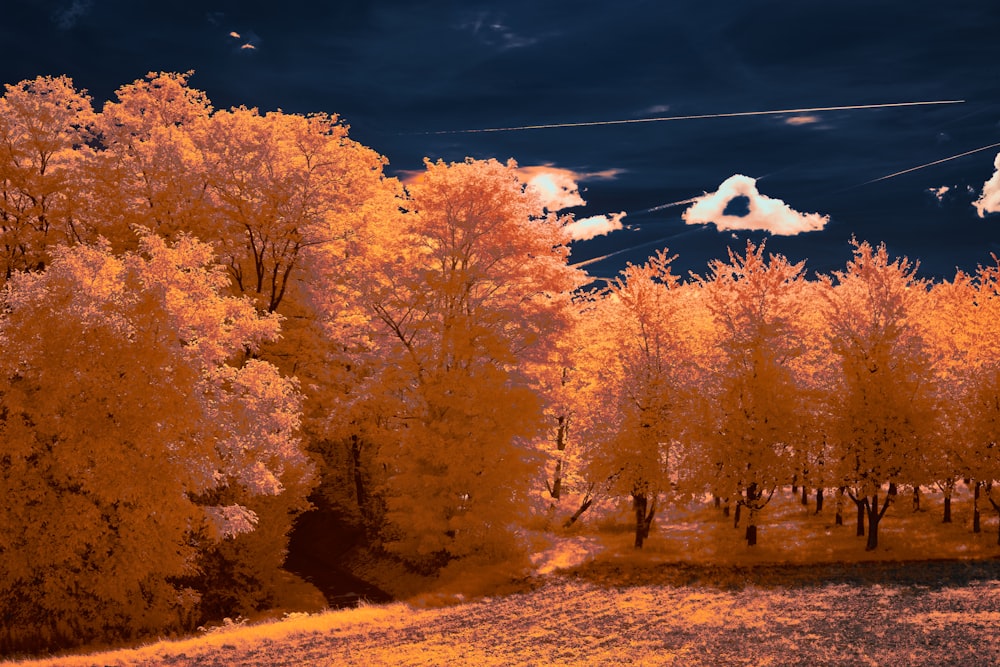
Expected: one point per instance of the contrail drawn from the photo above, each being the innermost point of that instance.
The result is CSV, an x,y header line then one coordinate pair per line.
x,y
696,117
931,164
663,206
595,260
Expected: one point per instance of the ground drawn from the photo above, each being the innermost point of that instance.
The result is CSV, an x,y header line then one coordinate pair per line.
x,y
809,594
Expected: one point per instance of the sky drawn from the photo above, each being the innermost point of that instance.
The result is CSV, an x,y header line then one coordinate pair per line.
x,y
411,77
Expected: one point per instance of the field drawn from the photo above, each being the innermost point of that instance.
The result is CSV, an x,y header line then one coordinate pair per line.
x,y
808,595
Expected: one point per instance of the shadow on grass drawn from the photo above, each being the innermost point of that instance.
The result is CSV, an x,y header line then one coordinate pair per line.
x,y
930,574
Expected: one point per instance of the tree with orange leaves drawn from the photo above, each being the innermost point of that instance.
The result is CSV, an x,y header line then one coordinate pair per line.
x,y
756,304
472,293
147,170
978,440
44,126
884,403
642,370
130,443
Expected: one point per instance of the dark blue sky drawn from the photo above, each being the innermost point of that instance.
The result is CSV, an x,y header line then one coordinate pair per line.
x,y
399,71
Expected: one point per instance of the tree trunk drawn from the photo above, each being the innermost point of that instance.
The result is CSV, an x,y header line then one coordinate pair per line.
x,y
805,496
736,514
839,518
795,486
751,533
753,495
717,500
639,503
555,489
819,500
975,507
947,503
996,506
726,509
360,490
644,512
916,498
588,500
873,518
861,516
875,514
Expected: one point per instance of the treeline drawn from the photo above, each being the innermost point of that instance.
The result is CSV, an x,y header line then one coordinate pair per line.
x,y
211,317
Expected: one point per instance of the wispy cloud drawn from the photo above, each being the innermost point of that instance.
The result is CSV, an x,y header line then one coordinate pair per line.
x,y
806,119
65,16
762,212
596,225
989,200
492,29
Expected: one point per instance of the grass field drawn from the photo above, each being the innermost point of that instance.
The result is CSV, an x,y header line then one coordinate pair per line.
x,y
808,595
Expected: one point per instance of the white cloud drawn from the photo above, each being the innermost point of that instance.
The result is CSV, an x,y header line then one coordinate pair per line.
x,y
764,213
989,200
596,225
940,192
557,187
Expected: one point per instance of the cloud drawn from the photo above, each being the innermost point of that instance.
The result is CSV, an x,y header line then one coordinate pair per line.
x,y
491,29
989,200
755,211
243,40
940,192
559,187
65,16
801,120
597,225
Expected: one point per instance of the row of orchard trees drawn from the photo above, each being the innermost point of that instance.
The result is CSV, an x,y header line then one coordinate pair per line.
x,y
751,377
211,316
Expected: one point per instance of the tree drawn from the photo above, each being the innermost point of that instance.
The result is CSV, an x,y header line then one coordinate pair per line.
x,y
290,203
982,396
281,183
756,303
129,441
645,372
469,296
884,405
44,126
147,170
953,335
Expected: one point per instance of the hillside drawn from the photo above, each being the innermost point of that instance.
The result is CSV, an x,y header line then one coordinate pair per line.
x,y
571,620
809,595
